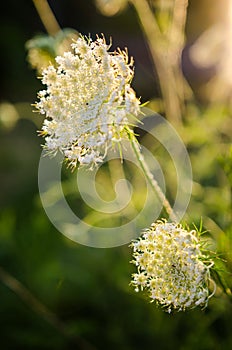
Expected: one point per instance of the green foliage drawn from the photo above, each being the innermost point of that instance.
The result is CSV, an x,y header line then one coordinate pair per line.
x,y
87,288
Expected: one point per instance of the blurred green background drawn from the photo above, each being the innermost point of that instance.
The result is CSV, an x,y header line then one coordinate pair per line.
x,y
80,296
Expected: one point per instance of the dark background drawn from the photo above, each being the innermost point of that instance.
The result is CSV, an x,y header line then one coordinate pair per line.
x,y
88,289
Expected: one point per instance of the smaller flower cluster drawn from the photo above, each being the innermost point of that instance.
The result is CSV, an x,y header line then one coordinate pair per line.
x,y
87,101
42,49
171,267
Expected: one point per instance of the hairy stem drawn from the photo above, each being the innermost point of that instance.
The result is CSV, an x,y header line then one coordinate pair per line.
x,y
154,184
47,17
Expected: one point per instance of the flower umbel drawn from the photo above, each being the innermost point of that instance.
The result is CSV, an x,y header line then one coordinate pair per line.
x,y
87,101
171,267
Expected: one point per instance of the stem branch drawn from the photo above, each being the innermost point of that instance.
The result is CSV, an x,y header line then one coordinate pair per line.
x,y
154,184
47,17
158,45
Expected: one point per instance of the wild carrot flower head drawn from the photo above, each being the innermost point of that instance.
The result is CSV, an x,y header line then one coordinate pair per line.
x,y
87,101
171,267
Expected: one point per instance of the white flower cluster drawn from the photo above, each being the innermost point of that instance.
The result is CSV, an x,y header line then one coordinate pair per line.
x,y
87,101
171,267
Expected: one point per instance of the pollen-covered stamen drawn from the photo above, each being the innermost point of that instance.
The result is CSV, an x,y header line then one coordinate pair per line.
x,y
171,267
87,101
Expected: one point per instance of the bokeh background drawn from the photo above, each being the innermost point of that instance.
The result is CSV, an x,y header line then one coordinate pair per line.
x,y
56,294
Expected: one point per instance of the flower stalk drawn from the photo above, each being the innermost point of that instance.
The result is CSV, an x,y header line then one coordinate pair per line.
x,y
47,17
154,184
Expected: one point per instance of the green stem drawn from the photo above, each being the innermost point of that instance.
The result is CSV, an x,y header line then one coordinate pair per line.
x,y
154,184
47,17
